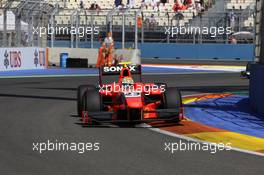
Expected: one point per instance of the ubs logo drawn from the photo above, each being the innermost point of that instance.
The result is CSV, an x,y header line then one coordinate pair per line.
x,y
12,59
6,61
39,58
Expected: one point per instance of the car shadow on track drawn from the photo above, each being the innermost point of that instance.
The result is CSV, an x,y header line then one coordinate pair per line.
x,y
107,125
38,97
124,124
58,89
103,124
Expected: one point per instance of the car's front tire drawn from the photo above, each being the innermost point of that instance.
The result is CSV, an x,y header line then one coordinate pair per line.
x,y
92,100
80,100
173,101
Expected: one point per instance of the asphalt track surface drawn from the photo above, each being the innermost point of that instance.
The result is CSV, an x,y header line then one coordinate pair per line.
x,y
41,109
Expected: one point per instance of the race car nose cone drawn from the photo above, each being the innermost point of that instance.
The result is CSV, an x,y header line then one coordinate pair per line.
x,y
134,102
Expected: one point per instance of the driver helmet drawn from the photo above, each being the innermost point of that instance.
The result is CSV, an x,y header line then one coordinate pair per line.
x,y
127,81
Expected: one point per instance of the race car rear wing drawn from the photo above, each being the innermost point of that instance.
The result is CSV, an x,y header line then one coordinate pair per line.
x,y
116,70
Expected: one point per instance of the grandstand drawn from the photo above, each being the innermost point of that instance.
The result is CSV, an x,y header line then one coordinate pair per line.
x,y
161,14
155,17
18,20
238,5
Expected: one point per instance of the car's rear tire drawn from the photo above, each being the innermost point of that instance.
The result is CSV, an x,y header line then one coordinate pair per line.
x,y
80,100
173,100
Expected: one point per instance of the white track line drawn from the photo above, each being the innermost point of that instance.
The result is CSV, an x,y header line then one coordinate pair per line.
x,y
190,139
96,75
203,67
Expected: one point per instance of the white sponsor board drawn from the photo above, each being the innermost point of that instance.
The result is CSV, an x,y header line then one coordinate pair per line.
x,y
22,58
92,55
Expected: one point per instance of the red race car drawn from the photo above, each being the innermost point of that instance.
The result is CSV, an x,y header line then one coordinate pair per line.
x,y
126,100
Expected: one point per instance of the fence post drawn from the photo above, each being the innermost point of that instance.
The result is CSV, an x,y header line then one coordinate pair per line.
x,y
77,22
136,30
5,28
92,34
123,30
142,29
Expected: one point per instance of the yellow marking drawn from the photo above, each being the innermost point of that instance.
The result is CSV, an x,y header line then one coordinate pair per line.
x,y
125,63
188,100
237,140
195,98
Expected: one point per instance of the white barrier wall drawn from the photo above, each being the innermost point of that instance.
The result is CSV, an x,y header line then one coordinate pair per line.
x,y
130,55
90,54
23,58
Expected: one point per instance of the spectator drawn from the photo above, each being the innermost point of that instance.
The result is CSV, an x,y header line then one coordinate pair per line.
x,y
115,60
163,2
131,3
118,3
97,7
198,5
92,7
146,3
156,5
101,56
188,3
109,40
178,6
232,40
202,3
207,4
152,21
232,19
143,3
210,3
109,49
81,4
152,18
139,22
